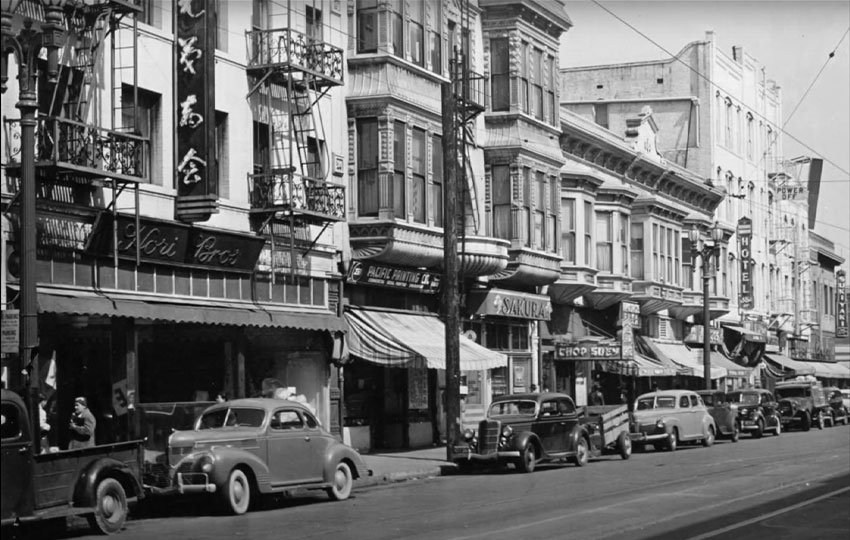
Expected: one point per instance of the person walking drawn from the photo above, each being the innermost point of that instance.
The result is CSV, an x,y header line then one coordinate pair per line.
x,y
82,425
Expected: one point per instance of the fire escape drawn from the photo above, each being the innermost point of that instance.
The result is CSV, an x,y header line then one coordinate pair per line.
x,y
74,155
290,72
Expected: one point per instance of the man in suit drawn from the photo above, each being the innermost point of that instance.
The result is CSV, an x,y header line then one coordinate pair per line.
x,y
82,425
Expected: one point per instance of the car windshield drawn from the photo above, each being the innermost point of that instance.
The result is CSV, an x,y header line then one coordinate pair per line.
x,y
793,391
742,397
231,417
708,399
660,402
513,407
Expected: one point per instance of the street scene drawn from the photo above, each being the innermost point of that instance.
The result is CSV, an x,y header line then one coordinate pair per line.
x,y
436,269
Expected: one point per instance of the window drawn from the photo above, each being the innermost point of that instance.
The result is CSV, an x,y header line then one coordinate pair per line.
x,y
604,242
222,154
435,51
729,126
636,244
396,15
568,233
526,225
367,26
553,84
221,33
419,168
684,402
687,264
539,210
719,112
656,269
600,114
588,233
623,240
524,87
501,202
152,14
144,119
399,166
437,180
282,420
314,23
500,87
552,206
259,14
367,168
261,147
417,34
749,136
537,84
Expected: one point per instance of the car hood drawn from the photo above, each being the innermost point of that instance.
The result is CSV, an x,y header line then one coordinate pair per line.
x,y
207,437
794,400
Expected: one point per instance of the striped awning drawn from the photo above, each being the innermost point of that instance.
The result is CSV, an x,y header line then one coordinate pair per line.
x,y
690,364
640,366
798,368
408,340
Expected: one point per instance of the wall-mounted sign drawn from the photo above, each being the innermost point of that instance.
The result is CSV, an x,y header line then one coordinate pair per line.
x,y
746,297
791,192
383,275
10,331
587,351
630,314
175,243
504,303
841,329
627,342
695,336
194,46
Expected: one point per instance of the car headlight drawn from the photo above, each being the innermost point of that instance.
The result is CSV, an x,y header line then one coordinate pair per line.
x,y
468,434
507,431
205,463
660,424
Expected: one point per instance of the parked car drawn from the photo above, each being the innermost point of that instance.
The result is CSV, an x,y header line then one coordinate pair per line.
x,y
758,411
724,412
527,429
845,397
838,411
243,448
801,403
667,417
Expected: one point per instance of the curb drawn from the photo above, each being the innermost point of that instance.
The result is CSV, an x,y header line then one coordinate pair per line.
x,y
404,476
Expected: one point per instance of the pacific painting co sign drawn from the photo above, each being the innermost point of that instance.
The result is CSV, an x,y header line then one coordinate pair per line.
x,y
746,298
395,277
197,180
841,329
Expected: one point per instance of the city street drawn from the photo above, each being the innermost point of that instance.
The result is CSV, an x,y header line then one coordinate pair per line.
x,y
750,489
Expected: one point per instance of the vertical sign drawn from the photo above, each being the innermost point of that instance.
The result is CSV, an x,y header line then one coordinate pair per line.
x,y
627,345
841,330
194,51
746,298
629,314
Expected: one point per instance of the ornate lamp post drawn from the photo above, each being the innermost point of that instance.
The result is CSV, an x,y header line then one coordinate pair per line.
x,y
705,251
26,44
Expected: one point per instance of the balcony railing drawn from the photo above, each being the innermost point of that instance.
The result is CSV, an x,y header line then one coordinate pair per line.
x,y
289,49
475,100
83,149
284,191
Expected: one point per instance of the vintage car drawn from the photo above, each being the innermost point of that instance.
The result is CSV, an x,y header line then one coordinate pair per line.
x,y
758,411
802,403
244,448
845,397
666,417
527,429
724,412
838,411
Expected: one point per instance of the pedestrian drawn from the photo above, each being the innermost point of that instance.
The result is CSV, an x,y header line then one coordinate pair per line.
x,y
44,425
221,397
596,397
82,425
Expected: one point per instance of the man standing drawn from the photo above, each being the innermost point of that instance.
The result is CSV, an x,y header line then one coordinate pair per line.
x,y
82,425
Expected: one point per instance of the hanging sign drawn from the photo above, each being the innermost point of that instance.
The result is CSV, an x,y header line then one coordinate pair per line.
x,y
746,297
194,49
630,314
841,329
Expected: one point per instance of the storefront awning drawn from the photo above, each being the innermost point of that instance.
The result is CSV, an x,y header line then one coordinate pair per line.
x,y
72,302
799,368
748,335
686,358
408,340
639,366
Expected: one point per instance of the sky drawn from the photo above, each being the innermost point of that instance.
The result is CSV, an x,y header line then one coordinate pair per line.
x,y
792,39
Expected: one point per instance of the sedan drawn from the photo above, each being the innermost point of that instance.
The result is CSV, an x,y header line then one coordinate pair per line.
x,y
666,417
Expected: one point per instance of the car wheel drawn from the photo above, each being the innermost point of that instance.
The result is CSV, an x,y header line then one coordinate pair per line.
x,y
736,433
110,509
709,439
807,422
778,429
759,431
582,452
237,493
624,445
672,440
527,459
341,482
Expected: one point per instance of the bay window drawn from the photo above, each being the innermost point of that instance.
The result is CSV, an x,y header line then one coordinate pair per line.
x,y
500,84
539,210
568,231
588,233
623,239
399,166
419,171
437,180
501,187
396,15
367,168
604,242
367,26
636,244
537,84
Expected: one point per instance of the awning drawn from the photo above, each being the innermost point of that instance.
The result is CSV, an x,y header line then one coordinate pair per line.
x,y
686,358
829,370
640,366
73,302
408,340
749,335
799,368
718,360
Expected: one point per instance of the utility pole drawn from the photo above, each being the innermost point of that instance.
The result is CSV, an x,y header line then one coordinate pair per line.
x,y
451,314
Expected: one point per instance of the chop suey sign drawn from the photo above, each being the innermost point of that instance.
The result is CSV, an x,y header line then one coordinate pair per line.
x,y
162,241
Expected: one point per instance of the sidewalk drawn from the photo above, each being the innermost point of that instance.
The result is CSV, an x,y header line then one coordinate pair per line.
x,y
389,467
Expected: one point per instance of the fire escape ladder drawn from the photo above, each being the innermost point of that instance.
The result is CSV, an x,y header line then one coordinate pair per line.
x,y
305,134
124,61
83,78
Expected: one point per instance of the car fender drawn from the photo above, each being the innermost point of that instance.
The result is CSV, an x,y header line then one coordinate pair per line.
x,y
340,452
671,422
520,440
97,470
578,432
708,422
227,458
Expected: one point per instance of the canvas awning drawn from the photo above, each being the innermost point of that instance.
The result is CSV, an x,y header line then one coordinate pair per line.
x,y
748,335
680,355
639,366
799,368
407,340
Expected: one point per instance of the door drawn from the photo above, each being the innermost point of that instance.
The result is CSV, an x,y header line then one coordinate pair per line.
x,y
291,447
16,463
687,418
546,426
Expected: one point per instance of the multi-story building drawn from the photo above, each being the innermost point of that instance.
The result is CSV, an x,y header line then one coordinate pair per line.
x,y
190,177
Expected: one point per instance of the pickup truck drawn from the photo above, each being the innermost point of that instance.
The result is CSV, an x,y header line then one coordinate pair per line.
x,y
802,403
97,482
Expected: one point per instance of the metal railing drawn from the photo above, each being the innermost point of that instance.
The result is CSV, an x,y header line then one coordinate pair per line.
x,y
287,47
282,190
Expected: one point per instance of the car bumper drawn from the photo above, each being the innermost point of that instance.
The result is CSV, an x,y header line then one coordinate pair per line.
x,y
749,425
464,453
194,483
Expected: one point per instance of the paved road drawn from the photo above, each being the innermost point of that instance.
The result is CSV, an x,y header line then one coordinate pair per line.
x,y
792,486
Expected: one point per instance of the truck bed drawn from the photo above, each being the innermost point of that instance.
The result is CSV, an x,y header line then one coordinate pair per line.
x,y
611,419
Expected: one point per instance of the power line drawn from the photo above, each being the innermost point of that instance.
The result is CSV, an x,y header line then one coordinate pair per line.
x,y
674,57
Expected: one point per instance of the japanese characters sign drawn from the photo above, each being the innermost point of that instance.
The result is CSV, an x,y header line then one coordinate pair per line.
x,y
746,297
196,177
841,330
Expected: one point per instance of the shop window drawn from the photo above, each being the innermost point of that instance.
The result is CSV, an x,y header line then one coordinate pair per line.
x,y
437,180
367,168
500,88
367,26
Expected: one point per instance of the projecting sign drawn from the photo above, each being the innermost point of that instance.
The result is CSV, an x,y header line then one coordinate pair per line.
x,y
505,303
841,330
746,297
630,314
587,351
396,277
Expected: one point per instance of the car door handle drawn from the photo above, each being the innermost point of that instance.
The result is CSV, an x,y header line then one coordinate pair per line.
x,y
307,439
562,423
23,450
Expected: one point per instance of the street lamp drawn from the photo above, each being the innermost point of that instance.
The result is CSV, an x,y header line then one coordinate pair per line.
x,y
705,251
26,45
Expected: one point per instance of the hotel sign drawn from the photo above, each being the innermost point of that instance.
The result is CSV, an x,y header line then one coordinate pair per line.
x,y
194,46
841,329
504,303
746,298
383,275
